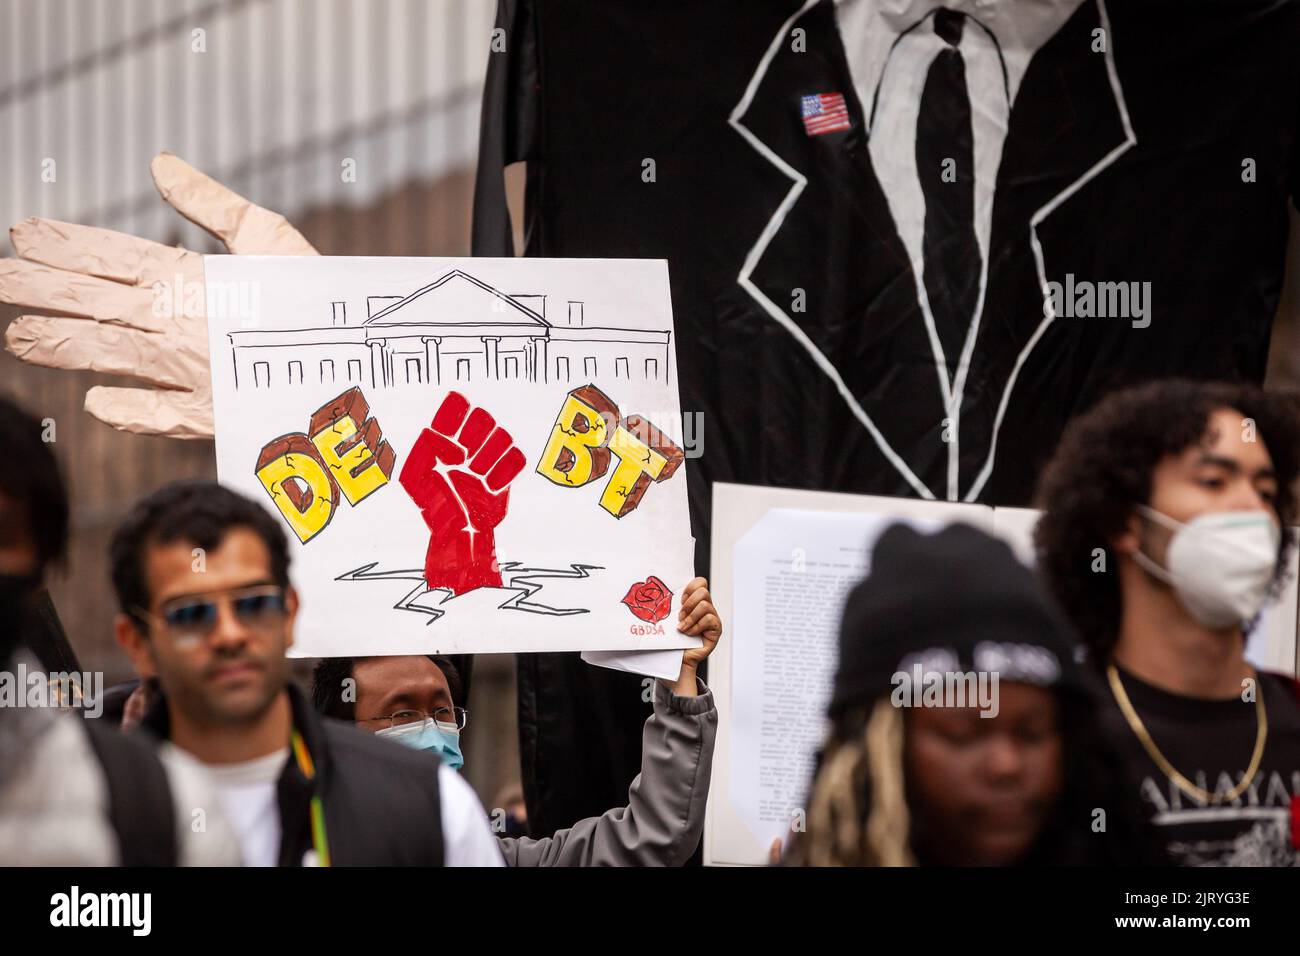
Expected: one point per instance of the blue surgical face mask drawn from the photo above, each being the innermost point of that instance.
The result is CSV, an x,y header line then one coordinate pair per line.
x,y
440,737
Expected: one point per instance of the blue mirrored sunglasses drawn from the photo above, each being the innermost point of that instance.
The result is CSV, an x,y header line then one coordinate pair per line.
x,y
256,606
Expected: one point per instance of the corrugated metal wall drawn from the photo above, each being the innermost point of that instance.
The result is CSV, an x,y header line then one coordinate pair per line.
x,y
270,96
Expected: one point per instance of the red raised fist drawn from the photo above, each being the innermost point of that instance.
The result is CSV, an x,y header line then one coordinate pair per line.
x,y
457,472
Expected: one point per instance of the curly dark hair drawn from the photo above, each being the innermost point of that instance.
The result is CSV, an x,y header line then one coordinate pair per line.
x,y
1102,469
198,513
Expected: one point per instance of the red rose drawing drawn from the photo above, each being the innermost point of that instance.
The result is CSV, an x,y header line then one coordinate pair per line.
x,y
650,600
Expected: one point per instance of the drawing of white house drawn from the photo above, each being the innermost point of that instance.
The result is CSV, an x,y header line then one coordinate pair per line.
x,y
457,329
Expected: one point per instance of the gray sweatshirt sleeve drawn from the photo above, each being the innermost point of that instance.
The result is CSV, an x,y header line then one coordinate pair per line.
x,y
664,816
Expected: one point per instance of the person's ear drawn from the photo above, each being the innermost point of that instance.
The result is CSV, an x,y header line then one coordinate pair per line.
x,y
290,615
1129,541
132,639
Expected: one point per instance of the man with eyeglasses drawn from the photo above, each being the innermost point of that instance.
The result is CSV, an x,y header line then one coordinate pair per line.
x,y
416,701
202,579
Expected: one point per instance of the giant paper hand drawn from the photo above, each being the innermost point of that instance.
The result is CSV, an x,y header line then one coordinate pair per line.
x,y
134,307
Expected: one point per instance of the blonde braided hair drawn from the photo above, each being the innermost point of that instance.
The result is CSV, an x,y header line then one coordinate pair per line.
x,y
857,814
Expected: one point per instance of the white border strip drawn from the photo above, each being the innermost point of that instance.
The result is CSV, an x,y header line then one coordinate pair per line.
x,y
769,231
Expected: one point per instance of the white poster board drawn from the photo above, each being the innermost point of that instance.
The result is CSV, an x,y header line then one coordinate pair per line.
x,y
782,563
468,455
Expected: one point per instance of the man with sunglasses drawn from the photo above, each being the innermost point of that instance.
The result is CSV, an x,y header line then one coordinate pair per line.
x,y
202,578
415,701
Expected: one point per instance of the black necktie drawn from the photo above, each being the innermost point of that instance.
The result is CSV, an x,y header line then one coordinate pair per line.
x,y
943,132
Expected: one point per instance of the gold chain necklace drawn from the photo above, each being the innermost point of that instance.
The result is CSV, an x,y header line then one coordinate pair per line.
x,y
1183,784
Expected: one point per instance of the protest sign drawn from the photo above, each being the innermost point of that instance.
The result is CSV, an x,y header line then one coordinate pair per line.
x,y
477,455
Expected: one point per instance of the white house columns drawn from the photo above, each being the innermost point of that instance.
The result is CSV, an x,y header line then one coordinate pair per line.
x,y
378,368
433,371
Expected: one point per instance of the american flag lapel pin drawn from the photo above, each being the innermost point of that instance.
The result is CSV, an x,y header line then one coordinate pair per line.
x,y
824,113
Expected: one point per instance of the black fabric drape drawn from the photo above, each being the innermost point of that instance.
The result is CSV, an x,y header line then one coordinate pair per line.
x,y
590,90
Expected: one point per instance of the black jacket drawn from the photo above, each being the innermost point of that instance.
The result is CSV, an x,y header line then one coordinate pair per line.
x,y
381,800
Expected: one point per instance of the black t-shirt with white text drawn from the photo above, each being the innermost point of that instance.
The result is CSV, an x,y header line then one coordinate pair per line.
x,y
1210,742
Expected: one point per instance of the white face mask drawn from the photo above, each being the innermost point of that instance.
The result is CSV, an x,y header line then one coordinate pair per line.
x,y
1219,564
